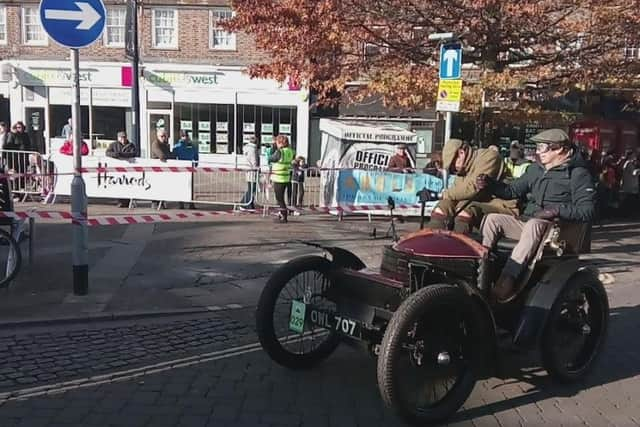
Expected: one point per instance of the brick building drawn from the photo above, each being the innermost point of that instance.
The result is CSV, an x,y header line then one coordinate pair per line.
x,y
191,78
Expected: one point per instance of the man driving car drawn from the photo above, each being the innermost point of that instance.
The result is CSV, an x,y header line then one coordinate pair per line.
x,y
468,163
559,187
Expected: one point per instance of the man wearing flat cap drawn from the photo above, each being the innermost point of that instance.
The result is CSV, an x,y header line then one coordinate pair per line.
x,y
467,164
559,186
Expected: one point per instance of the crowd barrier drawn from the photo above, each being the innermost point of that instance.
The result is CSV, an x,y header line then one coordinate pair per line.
x,y
31,173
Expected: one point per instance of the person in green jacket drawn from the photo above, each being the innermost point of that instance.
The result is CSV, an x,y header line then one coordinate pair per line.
x,y
281,162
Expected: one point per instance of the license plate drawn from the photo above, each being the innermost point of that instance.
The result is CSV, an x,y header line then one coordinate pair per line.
x,y
329,320
296,319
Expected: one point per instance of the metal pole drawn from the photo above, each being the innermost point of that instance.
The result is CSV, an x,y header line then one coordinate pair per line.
x,y
80,251
447,126
135,96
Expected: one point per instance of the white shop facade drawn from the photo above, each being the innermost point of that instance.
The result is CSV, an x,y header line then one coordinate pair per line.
x,y
220,107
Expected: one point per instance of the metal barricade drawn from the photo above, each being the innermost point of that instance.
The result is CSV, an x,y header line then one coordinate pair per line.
x,y
33,173
301,194
235,188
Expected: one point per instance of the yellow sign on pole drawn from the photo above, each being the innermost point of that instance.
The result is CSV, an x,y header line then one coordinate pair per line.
x,y
449,95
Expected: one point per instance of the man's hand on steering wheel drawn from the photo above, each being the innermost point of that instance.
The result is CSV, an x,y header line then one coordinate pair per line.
x,y
548,213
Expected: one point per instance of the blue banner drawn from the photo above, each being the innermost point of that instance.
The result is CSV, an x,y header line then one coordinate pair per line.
x,y
362,187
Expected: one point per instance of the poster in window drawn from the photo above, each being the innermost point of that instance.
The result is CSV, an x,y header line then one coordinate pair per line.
x,y
267,128
267,139
222,126
186,125
246,138
204,145
204,126
249,127
285,128
222,138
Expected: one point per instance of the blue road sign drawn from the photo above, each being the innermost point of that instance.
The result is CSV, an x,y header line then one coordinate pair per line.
x,y
73,23
450,61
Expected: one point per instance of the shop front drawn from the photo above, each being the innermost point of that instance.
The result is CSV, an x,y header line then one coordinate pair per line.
x,y
40,95
221,109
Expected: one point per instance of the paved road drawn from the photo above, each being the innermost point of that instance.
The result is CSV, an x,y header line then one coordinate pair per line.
x,y
207,370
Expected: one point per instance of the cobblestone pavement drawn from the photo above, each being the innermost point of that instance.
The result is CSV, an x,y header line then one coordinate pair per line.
x,y
207,371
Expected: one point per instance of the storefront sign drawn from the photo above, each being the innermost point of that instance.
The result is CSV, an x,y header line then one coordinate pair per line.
x,y
50,76
171,187
111,97
169,78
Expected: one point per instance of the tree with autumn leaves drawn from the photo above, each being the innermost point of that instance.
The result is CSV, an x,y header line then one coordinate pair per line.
x,y
528,50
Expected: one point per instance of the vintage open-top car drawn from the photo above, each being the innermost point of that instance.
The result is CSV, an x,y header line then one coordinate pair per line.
x,y
427,315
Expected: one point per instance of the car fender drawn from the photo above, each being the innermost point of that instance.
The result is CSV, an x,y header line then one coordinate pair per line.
x,y
343,258
541,299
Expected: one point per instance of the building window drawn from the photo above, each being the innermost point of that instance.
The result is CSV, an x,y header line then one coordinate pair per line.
x,y
114,31
32,31
165,28
3,25
631,53
221,39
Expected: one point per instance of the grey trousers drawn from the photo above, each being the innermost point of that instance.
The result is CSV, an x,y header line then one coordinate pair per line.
x,y
528,234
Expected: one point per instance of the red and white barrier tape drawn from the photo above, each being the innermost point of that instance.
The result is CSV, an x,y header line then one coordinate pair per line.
x,y
172,169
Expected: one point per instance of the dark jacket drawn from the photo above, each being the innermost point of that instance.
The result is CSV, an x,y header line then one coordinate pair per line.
x,y
161,151
18,141
121,151
568,187
399,162
185,150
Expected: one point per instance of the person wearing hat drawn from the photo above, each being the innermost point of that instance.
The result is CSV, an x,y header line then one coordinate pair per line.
x,y
400,161
516,164
559,186
122,149
468,163
185,150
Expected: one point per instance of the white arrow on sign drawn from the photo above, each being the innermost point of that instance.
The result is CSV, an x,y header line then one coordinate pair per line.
x,y
87,15
450,57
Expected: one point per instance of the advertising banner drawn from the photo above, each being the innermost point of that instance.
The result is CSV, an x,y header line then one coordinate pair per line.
x,y
165,186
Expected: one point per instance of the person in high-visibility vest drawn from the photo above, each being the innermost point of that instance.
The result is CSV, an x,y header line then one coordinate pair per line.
x,y
281,163
516,164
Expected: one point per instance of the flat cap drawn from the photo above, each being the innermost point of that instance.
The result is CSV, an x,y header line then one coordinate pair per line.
x,y
551,136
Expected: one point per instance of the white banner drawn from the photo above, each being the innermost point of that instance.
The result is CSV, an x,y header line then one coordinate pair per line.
x,y
165,186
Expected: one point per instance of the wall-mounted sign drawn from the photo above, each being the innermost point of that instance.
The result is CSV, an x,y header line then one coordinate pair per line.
x,y
267,128
246,138
249,127
186,125
267,139
222,126
204,126
222,138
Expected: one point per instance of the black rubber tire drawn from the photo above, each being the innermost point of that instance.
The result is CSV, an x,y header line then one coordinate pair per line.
x,y
9,241
558,372
265,313
409,312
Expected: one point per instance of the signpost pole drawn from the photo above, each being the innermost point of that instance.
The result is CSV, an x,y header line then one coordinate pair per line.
x,y
80,251
136,79
447,126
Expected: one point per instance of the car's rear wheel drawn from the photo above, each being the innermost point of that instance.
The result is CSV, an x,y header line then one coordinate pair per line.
x,y
576,329
305,281
429,354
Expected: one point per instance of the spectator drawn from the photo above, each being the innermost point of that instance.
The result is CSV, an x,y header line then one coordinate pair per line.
x,y
297,192
185,150
67,130
516,164
253,159
4,137
630,184
400,161
160,149
67,147
122,149
17,140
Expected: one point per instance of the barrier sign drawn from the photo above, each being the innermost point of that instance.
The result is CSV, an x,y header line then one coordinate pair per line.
x,y
449,95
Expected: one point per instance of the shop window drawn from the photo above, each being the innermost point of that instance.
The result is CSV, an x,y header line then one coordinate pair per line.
x,y
3,24
210,126
265,123
221,39
107,122
59,116
114,30
165,28
32,31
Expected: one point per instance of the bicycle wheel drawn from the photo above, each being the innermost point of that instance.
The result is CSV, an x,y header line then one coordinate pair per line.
x,y
10,258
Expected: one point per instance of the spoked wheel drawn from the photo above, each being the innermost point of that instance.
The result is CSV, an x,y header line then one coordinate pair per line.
x,y
10,258
428,359
576,329
283,326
